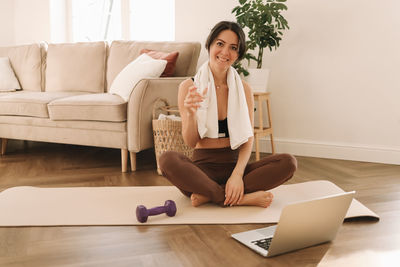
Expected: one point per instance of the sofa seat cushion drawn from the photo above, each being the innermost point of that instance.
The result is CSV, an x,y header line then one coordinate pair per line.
x,y
89,107
31,104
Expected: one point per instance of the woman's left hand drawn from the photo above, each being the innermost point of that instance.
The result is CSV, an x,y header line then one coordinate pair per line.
x,y
234,190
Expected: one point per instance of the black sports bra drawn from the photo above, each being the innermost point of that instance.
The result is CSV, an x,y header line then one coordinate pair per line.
x,y
222,126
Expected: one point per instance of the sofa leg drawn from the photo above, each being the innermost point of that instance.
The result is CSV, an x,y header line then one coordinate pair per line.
x,y
3,146
133,160
124,160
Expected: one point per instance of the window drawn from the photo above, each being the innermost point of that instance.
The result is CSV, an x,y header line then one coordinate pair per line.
x,y
96,20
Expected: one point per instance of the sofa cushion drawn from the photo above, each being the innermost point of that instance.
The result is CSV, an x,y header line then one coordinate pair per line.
x,y
8,81
169,57
32,104
89,107
26,61
143,67
76,67
121,53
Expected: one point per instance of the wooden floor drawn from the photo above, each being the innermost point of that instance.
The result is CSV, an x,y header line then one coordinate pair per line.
x,y
360,242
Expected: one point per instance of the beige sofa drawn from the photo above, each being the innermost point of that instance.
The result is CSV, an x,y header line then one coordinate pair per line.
x,y
65,100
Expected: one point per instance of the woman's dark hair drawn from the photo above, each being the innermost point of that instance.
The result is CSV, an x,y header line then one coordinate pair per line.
x,y
228,25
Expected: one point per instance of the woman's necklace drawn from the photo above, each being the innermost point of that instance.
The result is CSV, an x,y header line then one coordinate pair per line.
x,y
219,86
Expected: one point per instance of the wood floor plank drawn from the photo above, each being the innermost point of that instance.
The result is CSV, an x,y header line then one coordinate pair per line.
x,y
56,165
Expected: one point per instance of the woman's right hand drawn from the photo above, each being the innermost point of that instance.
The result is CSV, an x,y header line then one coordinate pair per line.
x,y
193,99
189,101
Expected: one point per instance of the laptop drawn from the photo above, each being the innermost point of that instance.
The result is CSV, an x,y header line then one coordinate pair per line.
x,y
301,224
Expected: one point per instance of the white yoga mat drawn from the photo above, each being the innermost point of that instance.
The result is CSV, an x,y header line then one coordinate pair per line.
x,y
33,206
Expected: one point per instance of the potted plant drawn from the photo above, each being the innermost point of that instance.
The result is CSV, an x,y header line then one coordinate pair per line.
x,y
264,23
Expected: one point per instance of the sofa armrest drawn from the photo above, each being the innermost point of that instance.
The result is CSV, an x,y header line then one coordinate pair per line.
x,y
140,107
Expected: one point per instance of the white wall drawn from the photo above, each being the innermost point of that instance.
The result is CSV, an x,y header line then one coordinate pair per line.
x,y
194,19
7,37
334,78
58,21
32,21
24,22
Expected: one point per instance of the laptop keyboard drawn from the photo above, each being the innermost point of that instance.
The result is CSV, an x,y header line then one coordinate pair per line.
x,y
267,231
263,243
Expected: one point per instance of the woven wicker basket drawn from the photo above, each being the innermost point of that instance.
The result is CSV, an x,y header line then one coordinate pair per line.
x,y
168,133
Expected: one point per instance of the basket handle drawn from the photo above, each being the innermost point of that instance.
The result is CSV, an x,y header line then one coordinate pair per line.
x,y
168,109
158,100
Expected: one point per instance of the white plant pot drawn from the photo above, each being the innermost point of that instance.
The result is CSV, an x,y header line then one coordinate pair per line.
x,y
258,80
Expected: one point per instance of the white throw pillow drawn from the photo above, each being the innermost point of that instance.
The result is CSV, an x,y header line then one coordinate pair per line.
x,y
8,81
142,67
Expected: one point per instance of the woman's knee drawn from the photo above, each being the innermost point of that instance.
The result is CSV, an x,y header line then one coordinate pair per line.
x,y
170,161
167,159
290,163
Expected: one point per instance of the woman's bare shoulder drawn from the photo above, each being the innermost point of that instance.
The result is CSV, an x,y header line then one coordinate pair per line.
x,y
186,84
184,88
247,88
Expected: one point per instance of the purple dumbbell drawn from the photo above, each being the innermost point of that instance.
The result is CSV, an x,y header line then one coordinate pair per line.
x,y
142,212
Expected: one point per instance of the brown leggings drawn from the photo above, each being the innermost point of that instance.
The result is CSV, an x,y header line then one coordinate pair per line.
x,y
210,169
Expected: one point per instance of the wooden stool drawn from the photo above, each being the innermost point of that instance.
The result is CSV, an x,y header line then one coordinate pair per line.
x,y
261,130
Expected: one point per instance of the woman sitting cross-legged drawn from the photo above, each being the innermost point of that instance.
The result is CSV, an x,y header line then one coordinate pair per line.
x,y
217,111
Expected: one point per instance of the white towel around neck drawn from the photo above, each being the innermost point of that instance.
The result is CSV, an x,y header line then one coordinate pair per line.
x,y
239,125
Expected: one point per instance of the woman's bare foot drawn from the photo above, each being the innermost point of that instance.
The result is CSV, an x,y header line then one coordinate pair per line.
x,y
259,198
198,199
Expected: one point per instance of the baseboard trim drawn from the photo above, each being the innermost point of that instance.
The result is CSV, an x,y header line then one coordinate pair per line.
x,y
333,150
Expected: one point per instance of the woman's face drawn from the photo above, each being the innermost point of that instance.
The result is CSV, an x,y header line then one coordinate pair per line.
x,y
224,50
